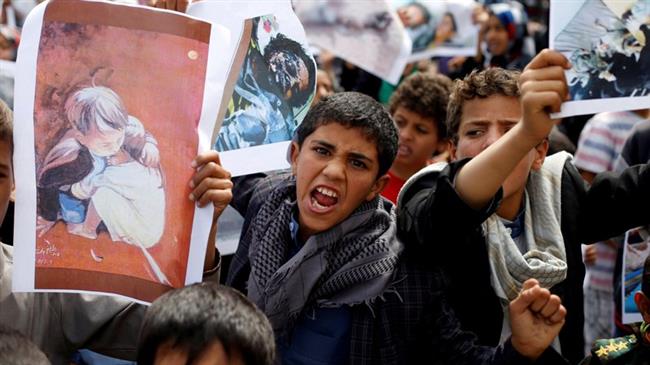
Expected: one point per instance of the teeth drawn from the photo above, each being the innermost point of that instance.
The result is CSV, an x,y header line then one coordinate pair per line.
x,y
326,191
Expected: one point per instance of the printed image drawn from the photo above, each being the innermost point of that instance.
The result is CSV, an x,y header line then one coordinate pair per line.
x,y
367,34
439,28
636,249
115,134
605,40
273,91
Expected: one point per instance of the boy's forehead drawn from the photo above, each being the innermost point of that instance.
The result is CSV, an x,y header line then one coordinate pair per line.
x,y
336,133
495,107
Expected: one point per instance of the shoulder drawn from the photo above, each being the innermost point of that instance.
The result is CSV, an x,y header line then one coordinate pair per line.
x,y
609,350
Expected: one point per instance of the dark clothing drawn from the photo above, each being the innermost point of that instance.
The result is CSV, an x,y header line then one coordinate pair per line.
x,y
628,350
410,322
637,147
432,214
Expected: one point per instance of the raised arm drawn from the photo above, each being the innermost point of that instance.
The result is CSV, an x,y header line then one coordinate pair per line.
x,y
543,89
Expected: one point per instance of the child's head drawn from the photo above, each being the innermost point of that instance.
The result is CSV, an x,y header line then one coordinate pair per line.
x,y
482,108
506,28
16,349
99,118
6,156
340,155
419,108
205,321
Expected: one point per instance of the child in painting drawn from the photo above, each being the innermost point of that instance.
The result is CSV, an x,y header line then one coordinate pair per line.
x,y
105,169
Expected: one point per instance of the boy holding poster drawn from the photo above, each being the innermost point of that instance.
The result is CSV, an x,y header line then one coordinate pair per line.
x,y
60,323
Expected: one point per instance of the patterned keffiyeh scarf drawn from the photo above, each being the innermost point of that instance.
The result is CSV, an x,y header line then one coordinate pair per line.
x,y
545,259
350,263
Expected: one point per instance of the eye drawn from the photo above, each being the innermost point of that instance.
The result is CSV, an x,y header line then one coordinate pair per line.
x,y
422,130
358,164
400,123
321,151
474,133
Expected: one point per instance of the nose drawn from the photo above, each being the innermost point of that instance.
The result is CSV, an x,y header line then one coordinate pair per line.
x,y
405,134
334,170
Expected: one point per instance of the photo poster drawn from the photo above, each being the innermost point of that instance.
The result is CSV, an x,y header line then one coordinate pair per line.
x,y
7,74
275,84
439,28
636,249
112,107
367,34
605,41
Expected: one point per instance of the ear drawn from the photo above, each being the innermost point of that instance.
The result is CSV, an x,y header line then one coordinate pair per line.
x,y
293,156
540,154
377,187
452,149
643,304
443,146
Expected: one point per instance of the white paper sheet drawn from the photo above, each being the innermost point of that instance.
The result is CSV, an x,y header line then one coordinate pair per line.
x,y
261,117
605,42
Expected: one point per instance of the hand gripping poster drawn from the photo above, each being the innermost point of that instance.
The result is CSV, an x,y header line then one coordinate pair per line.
x,y
636,248
271,83
606,43
112,106
366,33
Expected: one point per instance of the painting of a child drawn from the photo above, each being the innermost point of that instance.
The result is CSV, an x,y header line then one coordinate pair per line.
x,y
104,172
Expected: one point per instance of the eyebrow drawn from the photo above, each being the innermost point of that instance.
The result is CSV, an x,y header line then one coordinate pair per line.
x,y
357,155
484,122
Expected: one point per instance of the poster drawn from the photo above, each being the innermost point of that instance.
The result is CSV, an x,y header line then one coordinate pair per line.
x,y
635,250
112,110
271,84
367,34
7,72
439,28
605,40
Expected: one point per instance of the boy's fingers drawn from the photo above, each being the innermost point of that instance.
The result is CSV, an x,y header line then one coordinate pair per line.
x,y
543,74
530,283
211,170
205,157
541,298
548,58
550,101
559,315
551,306
557,86
220,198
210,184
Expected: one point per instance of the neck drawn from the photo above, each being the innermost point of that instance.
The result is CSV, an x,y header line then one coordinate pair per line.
x,y
404,172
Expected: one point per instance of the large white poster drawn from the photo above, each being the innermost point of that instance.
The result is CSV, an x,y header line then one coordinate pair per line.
x,y
605,40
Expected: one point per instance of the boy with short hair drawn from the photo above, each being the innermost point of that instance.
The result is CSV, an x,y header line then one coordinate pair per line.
x,y
60,323
205,321
320,258
419,108
508,212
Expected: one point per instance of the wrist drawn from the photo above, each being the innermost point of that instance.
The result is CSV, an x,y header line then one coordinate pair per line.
x,y
525,350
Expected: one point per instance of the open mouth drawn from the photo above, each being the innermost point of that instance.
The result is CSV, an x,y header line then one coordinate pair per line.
x,y
323,199
403,150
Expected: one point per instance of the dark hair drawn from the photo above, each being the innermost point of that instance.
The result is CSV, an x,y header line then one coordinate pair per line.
x,y
17,349
193,317
479,84
425,12
426,94
453,20
355,110
280,43
6,125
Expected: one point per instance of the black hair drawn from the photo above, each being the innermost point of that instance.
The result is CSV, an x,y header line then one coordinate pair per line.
x,y
194,317
281,43
17,349
355,110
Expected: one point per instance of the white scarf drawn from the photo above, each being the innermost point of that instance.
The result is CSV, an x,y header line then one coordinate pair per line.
x,y
545,259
